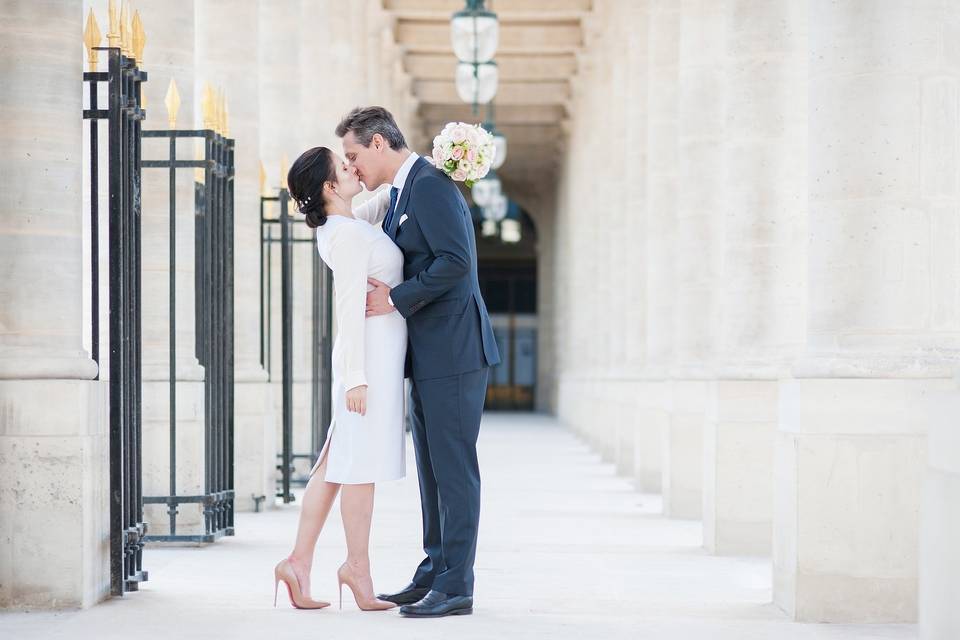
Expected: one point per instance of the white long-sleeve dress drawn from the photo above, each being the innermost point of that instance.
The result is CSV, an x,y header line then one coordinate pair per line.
x,y
370,351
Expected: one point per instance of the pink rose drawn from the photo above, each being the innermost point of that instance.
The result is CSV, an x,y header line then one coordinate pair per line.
x,y
459,175
457,153
472,155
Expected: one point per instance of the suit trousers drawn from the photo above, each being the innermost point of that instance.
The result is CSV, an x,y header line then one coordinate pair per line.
x,y
446,416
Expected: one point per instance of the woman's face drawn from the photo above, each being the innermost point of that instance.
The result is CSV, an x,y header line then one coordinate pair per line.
x,y
348,184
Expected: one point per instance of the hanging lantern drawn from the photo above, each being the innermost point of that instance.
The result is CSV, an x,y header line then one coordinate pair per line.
x,y
475,33
497,209
485,189
510,226
499,140
510,231
500,144
488,228
477,83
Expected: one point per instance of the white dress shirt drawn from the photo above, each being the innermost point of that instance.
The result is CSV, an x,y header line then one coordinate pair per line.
x,y
401,178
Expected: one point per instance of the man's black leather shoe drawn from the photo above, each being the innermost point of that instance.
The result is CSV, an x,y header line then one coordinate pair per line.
x,y
437,604
408,595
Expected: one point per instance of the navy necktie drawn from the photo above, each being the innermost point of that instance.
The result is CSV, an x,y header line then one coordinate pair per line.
x,y
394,193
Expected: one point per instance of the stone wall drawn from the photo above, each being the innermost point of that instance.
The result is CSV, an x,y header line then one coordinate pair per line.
x,y
758,296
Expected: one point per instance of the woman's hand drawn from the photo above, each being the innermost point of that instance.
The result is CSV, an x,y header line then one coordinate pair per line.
x,y
357,400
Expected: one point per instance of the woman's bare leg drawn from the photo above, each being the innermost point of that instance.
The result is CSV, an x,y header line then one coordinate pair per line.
x,y
318,497
356,508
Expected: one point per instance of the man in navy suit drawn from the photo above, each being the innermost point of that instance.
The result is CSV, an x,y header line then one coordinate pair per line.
x,y
451,347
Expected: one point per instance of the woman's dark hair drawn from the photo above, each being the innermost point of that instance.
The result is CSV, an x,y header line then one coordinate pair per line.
x,y
313,169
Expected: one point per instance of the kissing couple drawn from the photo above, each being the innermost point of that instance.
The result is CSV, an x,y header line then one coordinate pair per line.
x,y
408,304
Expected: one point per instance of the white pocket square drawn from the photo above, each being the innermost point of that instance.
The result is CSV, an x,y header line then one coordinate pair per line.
x,y
403,219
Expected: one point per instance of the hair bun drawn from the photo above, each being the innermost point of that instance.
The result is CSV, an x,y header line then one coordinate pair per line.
x,y
315,211
305,180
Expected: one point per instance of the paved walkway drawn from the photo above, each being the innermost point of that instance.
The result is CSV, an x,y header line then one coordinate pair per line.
x,y
567,550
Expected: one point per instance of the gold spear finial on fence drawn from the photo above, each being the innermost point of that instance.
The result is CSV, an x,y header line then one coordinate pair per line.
x,y
224,115
125,36
284,164
91,39
173,103
217,116
139,38
218,108
206,104
113,35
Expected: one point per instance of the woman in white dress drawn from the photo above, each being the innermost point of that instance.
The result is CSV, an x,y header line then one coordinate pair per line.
x,y
365,442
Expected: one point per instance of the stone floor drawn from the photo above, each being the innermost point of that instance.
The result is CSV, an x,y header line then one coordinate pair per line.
x,y
567,550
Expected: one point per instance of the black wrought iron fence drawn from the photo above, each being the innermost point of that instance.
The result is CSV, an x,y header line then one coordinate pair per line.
x,y
286,237
213,292
124,115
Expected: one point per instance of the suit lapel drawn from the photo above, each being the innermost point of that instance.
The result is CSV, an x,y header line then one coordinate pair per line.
x,y
404,197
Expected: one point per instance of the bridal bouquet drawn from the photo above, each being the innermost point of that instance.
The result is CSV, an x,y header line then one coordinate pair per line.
x,y
464,152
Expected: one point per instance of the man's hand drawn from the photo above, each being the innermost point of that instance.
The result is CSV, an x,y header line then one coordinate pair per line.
x,y
378,303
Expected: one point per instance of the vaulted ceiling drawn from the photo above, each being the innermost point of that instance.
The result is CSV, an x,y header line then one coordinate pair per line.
x,y
539,45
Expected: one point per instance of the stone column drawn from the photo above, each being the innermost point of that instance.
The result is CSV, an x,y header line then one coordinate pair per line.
x,y
227,41
883,316
761,293
282,136
575,362
170,53
939,577
659,239
698,235
54,487
628,24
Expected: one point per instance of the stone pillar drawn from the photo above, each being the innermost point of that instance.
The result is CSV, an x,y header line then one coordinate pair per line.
x,y
629,22
698,235
170,53
227,41
761,293
283,134
939,616
54,483
659,238
576,360
883,313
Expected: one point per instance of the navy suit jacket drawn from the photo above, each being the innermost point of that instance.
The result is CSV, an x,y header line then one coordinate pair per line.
x,y
447,321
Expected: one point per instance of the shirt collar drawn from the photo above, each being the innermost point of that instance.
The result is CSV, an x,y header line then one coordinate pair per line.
x,y
401,178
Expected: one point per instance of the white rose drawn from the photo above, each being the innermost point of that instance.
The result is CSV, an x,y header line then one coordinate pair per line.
x,y
458,134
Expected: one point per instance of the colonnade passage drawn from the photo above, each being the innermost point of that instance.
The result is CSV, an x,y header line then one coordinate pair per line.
x,y
728,306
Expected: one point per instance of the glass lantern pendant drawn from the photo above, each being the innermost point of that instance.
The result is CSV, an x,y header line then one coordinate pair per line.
x,y
475,33
485,189
510,231
477,83
500,144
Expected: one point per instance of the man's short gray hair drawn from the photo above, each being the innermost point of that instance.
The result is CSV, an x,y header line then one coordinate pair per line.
x,y
365,122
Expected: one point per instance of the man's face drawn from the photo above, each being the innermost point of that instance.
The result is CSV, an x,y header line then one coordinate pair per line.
x,y
368,161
